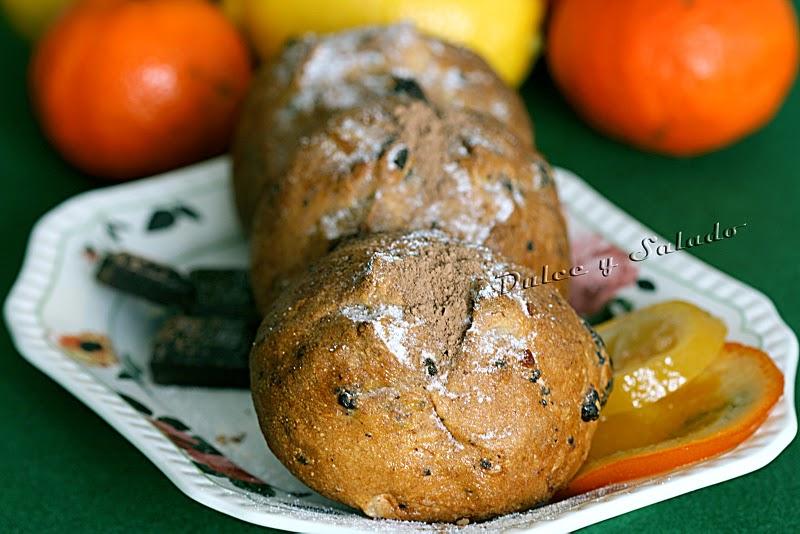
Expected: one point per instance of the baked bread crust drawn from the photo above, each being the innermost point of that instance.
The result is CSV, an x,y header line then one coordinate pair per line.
x,y
403,164
320,75
394,377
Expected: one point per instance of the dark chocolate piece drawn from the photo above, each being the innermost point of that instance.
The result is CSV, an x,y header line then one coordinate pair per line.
x,y
203,351
146,279
222,292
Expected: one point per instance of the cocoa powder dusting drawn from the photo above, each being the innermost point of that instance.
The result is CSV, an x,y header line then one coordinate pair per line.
x,y
440,300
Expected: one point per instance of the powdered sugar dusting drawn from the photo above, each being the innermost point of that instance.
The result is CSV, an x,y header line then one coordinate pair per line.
x,y
493,435
486,205
389,325
461,177
438,385
454,79
500,109
440,425
504,203
519,298
332,224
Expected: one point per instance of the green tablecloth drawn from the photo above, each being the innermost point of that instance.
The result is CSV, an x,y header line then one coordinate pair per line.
x,y
63,468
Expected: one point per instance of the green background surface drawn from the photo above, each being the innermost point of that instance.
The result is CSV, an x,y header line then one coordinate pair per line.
x,y
64,469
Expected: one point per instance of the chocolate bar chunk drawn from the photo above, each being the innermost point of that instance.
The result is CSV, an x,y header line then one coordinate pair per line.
x,y
203,351
146,279
222,292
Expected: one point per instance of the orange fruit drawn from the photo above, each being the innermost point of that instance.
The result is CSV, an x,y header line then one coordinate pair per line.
x,y
679,77
708,416
127,88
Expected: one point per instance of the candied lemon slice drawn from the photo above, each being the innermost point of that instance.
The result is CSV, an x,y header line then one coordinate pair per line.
x,y
711,414
656,350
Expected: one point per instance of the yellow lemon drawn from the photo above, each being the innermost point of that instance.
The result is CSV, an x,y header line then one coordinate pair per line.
x,y
234,10
505,32
31,17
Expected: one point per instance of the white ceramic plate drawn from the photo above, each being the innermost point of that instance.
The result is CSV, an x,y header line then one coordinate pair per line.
x,y
96,343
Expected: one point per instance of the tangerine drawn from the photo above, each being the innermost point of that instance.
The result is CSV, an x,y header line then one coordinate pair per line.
x,y
127,88
679,77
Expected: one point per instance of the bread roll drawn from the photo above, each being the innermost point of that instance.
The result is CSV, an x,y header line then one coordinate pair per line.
x,y
404,164
320,75
394,377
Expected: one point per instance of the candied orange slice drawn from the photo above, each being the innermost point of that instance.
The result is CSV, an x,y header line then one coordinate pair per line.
x,y
709,415
656,350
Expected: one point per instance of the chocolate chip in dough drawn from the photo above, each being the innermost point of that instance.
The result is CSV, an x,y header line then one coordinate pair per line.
x,y
401,158
590,409
410,87
430,365
346,398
